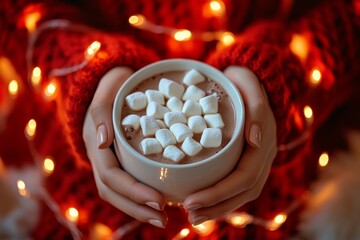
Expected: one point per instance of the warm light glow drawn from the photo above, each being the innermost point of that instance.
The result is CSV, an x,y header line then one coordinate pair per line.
x,y
315,76
50,90
136,20
182,35
217,8
280,218
240,219
72,214
92,49
299,46
184,232
308,112
205,228
323,159
100,232
227,38
48,165
30,128
13,87
36,76
21,187
31,19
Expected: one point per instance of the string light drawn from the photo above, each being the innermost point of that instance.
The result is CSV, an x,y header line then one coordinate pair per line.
x,y
137,20
227,38
299,46
182,35
35,76
240,219
217,8
92,50
323,159
22,188
308,112
48,165
205,228
50,90
100,231
13,88
31,20
315,76
30,129
72,214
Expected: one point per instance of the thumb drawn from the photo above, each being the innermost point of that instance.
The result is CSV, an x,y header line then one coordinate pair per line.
x,y
101,106
254,100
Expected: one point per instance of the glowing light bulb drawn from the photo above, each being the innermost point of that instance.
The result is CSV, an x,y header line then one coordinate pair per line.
x,y
323,159
48,165
299,46
280,218
240,219
36,76
100,231
315,76
30,129
182,35
184,232
227,38
137,20
50,90
205,228
308,112
13,87
92,49
31,20
21,187
72,214
217,7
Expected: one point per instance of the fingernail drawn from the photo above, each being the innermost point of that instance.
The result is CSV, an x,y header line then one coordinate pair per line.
x,y
156,223
154,205
193,207
101,135
255,134
199,220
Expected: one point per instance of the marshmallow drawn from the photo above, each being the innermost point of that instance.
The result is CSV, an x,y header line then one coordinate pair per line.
x,y
196,123
148,125
156,109
165,137
193,77
193,93
209,104
181,131
173,153
171,88
191,108
131,120
174,117
191,147
155,96
136,101
174,104
214,120
150,146
211,137
160,123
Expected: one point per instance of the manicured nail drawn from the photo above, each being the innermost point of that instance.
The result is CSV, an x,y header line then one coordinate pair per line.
x,y
156,223
101,135
198,220
255,134
154,205
193,207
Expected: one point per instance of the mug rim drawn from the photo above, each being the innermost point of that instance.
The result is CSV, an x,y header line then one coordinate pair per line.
x,y
176,63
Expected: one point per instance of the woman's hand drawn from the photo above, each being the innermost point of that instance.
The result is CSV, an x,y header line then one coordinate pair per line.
x,y
114,185
245,183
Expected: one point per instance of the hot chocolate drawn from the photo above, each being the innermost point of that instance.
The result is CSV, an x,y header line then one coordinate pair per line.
x,y
155,104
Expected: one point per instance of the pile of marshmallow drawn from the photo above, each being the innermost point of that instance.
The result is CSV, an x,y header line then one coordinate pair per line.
x,y
186,112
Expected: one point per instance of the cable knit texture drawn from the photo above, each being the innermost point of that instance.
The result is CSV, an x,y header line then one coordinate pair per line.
x,y
263,35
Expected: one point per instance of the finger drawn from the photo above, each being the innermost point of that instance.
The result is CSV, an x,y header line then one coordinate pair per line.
x,y
110,173
138,211
255,102
101,105
242,178
203,214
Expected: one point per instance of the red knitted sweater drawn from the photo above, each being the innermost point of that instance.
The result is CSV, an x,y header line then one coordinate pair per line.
x,y
265,33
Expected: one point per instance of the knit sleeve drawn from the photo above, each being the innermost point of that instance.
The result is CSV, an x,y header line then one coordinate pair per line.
x,y
328,43
65,49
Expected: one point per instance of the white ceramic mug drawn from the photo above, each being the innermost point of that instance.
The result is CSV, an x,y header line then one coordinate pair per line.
x,y
177,181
